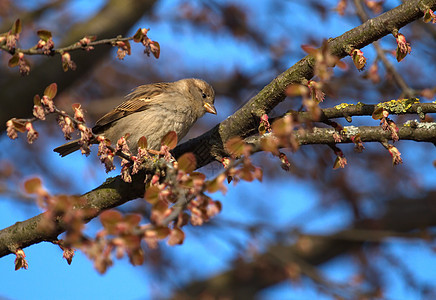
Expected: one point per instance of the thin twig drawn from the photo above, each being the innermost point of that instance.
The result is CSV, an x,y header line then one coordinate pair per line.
x,y
73,47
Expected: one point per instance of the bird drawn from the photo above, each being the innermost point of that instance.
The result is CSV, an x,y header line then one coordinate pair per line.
x,y
153,110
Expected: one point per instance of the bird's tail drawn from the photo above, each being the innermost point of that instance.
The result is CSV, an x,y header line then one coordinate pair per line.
x,y
67,148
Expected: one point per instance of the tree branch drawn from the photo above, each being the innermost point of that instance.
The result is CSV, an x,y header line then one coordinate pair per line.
x,y
245,121
112,193
349,110
75,46
242,123
423,132
115,18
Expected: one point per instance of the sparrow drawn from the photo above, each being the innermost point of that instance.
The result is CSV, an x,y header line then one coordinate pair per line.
x,y
153,110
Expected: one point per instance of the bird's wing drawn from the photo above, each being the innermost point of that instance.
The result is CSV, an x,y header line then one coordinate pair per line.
x,y
138,100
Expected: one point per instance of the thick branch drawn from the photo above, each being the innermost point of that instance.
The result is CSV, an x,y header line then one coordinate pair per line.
x,y
367,110
246,120
112,193
350,110
115,192
242,123
423,132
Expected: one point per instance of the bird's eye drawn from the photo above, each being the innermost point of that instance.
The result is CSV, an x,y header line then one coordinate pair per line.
x,y
204,96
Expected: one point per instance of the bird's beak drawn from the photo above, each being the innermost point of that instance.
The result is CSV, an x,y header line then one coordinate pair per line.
x,y
210,108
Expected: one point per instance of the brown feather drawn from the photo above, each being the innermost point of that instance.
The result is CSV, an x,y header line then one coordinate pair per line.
x,y
152,111
136,101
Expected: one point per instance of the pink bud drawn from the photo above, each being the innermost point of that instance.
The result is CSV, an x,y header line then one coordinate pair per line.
x,y
32,135
10,130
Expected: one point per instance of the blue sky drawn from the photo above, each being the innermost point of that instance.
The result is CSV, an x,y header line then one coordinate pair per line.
x,y
49,276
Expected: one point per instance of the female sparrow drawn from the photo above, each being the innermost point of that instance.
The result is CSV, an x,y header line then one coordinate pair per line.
x,y
153,110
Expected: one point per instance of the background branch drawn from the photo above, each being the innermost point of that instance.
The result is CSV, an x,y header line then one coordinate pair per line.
x,y
116,18
242,123
249,277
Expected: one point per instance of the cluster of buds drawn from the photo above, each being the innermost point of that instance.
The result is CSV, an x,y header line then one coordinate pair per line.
x,y
78,112
99,251
358,144
141,156
32,134
264,126
46,46
403,47
283,130
66,125
386,123
14,125
118,235
44,106
396,155
11,129
67,63
12,36
60,206
429,16
202,209
20,260
324,61
68,252
84,42
315,89
239,149
85,138
150,46
358,59
389,125
19,60
337,135
285,164
125,164
340,161
311,94
123,49
45,43
105,154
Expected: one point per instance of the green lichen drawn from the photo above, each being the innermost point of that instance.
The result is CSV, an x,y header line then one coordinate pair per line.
x,y
342,105
407,124
398,106
411,123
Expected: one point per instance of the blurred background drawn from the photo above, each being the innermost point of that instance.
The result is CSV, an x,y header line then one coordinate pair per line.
x,y
364,231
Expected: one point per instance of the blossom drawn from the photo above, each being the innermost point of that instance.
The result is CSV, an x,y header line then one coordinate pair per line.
x,y
403,47
32,134
10,130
